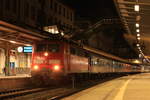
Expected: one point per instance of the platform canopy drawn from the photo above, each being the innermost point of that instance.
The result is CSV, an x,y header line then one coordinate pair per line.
x,y
135,15
14,35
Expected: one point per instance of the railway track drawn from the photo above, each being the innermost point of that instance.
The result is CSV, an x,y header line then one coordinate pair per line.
x,y
55,93
43,95
18,92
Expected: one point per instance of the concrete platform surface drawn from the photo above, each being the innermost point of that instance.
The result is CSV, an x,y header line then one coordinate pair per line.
x,y
15,76
134,87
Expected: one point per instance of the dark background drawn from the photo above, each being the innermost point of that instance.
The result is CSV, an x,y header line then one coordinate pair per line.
x,y
93,9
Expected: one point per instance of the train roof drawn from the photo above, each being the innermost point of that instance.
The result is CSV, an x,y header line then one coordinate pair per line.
x,y
89,49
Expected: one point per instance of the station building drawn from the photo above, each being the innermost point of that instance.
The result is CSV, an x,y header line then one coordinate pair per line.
x,y
21,25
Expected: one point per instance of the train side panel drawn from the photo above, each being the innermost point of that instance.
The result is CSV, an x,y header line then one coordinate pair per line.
x,y
78,64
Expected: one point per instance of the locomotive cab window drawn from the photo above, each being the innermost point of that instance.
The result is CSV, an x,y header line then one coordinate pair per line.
x,y
53,47
41,47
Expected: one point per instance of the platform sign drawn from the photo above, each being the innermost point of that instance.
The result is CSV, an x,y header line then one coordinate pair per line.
x,y
27,49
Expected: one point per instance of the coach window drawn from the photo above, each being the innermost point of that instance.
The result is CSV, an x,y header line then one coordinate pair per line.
x,y
53,47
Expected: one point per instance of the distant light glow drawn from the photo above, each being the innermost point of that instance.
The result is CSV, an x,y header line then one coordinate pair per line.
x,y
136,8
138,38
56,67
139,48
138,30
36,67
137,61
56,32
137,45
138,34
140,55
62,33
46,54
12,41
28,45
137,25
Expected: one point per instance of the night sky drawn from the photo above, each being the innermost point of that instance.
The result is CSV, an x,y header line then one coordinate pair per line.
x,y
93,9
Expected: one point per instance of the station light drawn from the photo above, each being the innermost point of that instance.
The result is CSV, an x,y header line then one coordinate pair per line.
x,y
139,48
138,38
136,8
45,53
137,25
136,61
140,55
12,41
137,45
28,45
138,30
62,33
138,34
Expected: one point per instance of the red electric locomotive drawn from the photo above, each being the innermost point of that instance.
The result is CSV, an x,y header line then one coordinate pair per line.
x,y
58,58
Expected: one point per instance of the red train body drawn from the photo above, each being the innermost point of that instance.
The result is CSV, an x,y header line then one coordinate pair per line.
x,y
56,57
63,58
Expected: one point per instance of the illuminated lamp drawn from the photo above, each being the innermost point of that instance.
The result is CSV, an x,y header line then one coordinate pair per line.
x,y
62,33
138,38
28,45
136,61
46,54
137,30
137,25
137,45
56,67
12,41
138,34
139,48
36,67
136,8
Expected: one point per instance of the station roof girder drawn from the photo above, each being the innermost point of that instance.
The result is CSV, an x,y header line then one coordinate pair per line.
x,y
130,17
10,32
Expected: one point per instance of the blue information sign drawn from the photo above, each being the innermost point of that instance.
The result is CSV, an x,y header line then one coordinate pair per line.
x,y
27,49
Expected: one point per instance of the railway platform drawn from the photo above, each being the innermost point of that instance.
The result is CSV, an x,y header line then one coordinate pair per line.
x,y
14,82
133,87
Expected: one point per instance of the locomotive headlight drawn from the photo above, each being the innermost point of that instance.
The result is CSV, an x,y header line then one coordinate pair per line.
x,y
45,53
56,67
36,67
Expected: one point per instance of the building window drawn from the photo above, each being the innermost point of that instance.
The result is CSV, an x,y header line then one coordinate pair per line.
x,y
55,7
26,10
67,12
64,12
51,4
7,4
33,14
71,16
59,10
14,6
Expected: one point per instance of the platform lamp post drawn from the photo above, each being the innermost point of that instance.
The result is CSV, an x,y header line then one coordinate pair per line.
x,y
7,60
